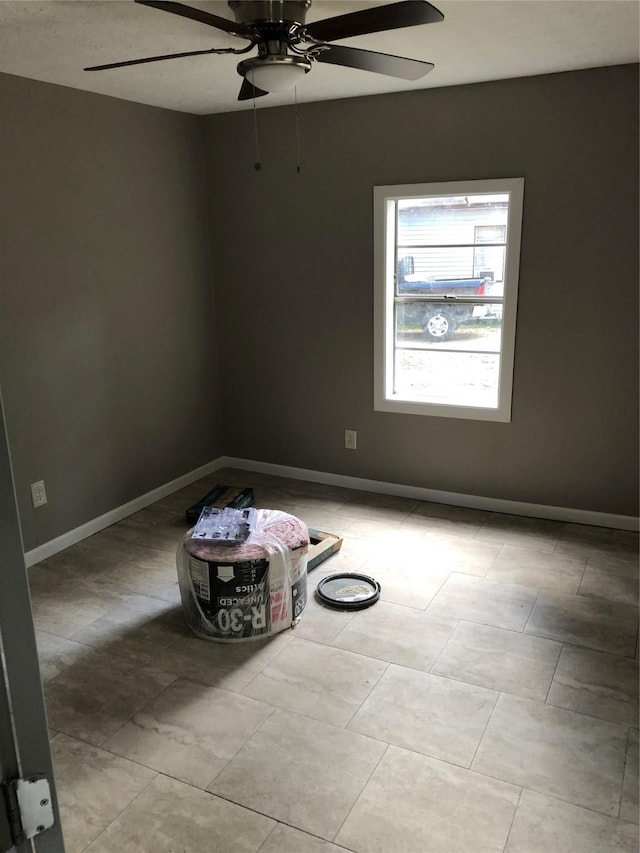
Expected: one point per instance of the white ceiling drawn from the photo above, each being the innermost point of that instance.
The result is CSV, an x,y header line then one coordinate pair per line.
x,y
478,40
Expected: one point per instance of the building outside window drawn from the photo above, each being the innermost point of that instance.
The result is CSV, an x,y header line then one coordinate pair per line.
x,y
446,283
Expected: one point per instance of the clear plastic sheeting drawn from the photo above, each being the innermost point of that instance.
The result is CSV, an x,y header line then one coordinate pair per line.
x,y
232,593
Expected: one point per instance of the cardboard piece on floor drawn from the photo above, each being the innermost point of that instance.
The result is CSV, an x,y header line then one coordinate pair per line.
x,y
322,546
221,496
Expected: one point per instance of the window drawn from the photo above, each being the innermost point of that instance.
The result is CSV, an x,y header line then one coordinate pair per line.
x,y
446,279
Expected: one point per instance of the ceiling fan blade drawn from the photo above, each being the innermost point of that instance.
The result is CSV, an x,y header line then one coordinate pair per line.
x,y
380,63
248,91
410,13
149,59
198,15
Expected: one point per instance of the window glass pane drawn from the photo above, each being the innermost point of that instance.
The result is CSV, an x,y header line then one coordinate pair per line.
x,y
439,325
419,264
488,262
453,378
427,264
452,220
450,264
490,233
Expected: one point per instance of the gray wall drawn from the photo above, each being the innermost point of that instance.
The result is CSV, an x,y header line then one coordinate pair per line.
x,y
108,345
108,359
294,274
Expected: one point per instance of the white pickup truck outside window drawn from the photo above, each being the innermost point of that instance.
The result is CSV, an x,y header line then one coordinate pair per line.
x,y
446,261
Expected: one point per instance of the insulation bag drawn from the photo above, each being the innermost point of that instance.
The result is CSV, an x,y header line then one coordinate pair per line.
x,y
241,592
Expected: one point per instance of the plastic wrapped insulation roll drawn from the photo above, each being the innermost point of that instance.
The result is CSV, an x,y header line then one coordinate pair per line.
x,y
232,593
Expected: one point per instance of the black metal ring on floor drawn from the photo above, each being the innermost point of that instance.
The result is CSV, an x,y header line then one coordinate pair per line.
x,y
348,591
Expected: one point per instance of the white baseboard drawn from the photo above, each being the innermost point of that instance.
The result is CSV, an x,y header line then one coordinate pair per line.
x,y
555,513
48,549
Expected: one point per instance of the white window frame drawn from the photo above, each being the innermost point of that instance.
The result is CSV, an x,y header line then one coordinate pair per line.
x,y
384,199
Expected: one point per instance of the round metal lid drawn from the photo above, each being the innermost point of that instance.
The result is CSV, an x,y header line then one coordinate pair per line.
x,y
348,591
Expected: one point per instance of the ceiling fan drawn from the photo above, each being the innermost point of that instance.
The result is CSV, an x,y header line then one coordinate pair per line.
x,y
288,47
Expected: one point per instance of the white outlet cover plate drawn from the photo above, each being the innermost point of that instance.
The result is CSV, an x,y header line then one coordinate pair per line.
x,y
38,493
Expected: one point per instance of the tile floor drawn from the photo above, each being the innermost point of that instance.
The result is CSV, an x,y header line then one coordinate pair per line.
x,y
488,702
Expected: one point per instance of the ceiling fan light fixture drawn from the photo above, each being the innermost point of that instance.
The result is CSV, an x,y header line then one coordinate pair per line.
x,y
274,73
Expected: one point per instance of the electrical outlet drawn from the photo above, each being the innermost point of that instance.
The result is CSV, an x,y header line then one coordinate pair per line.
x,y
38,494
350,439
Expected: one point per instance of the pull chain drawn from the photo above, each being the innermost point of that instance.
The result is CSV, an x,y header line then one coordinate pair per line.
x,y
298,168
257,165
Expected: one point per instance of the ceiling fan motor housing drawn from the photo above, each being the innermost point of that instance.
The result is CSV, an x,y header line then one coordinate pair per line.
x,y
270,11
274,68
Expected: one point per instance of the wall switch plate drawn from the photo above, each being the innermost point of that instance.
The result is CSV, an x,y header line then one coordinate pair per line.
x,y
350,439
38,494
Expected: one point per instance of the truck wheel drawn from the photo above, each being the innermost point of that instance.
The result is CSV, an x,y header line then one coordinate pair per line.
x,y
439,325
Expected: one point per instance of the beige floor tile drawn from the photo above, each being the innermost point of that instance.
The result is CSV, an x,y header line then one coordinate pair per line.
x,y
595,623
92,699
546,824
415,804
56,654
319,622
117,535
93,788
300,771
501,660
425,550
360,501
63,604
428,714
600,580
171,817
321,682
383,508
396,634
630,795
554,751
230,666
153,516
153,556
405,582
538,569
324,503
324,520
392,543
422,525
535,533
460,554
484,601
154,581
600,542
445,525
350,558
139,628
371,527
190,731
157,529
445,518
619,562
285,839
85,560
596,683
